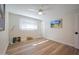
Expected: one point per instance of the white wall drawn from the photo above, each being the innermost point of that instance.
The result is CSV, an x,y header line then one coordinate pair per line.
x,y
14,29
4,37
63,35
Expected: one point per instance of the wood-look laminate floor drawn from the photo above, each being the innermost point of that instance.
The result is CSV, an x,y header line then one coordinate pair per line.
x,y
41,47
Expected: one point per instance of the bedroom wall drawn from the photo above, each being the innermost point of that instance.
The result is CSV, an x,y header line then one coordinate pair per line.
x,y
65,34
14,29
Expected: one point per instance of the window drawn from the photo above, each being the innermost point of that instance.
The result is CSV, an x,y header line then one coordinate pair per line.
x,y
28,24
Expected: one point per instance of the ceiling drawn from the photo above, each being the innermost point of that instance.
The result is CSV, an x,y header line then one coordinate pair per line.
x,y
48,9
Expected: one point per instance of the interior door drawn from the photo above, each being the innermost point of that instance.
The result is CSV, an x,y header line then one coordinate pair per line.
x,y
76,33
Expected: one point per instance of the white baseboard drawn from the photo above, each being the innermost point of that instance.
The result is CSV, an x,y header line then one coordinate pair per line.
x,y
61,42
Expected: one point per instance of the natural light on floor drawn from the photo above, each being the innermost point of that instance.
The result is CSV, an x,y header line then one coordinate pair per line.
x,y
40,43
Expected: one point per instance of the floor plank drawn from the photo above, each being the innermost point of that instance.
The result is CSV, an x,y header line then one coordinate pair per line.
x,y
41,47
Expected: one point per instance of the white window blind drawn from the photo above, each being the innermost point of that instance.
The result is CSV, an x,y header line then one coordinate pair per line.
x,y
28,24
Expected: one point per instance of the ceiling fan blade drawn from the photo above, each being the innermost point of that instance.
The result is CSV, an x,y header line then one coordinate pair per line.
x,y
33,10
